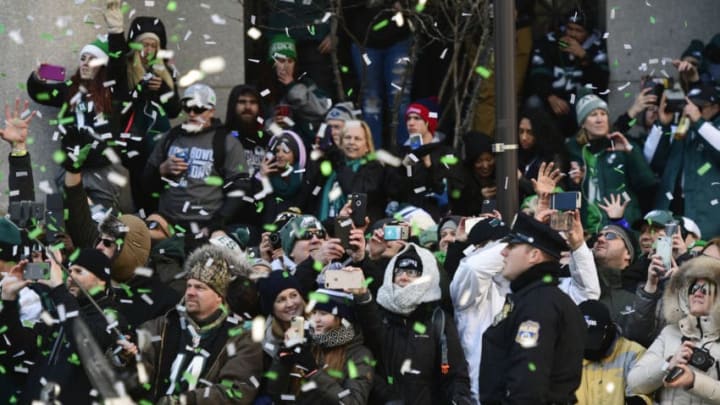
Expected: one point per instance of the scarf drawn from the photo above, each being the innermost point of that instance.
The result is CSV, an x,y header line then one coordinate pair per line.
x,y
334,338
404,300
329,209
286,187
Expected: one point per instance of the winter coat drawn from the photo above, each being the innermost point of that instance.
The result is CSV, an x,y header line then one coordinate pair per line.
x,y
698,162
553,71
613,173
50,352
647,375
353,388
308,104
605,381
645,323
539,326
618,300
429,188
227,376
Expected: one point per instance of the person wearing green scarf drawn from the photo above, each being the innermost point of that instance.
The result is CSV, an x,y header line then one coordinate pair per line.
x,y
604,163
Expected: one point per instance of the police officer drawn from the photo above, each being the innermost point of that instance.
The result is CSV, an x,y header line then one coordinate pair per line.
x,y
533,351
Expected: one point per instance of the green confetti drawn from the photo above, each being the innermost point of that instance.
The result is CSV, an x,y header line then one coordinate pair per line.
x,y
311,29
235,331
96,290
449,160
74,255
455,194
420,7
326,168
352,369
632,122
419,328
335,373
483,72
180,229
136,46
547,279
532,367
317,265
270,227
35,233
2,28
43,96
349,92
390,379
125,8
59,157
616,63
368,281
619,170
3,329
319,297
172,6
344,69
47,36
214,181
189,378
2,370
260,206
74,359
652,20
627,94
382,24
704,169
271,375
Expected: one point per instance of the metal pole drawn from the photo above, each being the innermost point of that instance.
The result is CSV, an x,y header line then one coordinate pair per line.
x,y
505,109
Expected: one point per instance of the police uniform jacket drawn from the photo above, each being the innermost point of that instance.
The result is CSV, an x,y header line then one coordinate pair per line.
x,y
533,352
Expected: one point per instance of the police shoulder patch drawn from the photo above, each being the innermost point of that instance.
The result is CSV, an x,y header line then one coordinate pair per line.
x,y
528,334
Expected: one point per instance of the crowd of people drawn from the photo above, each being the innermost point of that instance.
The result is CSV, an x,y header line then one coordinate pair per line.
x,y
284,255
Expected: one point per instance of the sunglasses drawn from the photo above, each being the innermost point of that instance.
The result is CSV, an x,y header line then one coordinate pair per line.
x,y
107,242
194,109
610,235
307,235
409,272
153,225
703,288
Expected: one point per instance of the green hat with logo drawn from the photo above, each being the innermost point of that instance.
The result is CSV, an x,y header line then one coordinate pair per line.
x,y
282,46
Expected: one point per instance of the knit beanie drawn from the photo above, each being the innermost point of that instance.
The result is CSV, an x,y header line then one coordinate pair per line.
x,y
147,27
695,50
341,111
626,237
295,228
294,142
99,48
209,264
338,303
135,246
283,46
271,286
93,261
588,104
427,109
10,241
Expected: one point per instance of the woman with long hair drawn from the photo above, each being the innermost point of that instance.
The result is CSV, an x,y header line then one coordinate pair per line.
x,y
89,123
331,358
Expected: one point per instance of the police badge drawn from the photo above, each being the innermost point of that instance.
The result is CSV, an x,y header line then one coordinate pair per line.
x,y
528,334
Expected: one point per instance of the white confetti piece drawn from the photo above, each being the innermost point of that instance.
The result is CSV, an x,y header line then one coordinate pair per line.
x,y
191,77
627,47
714,202
187,35
606,35
144,271
572,98
258,329
213,65
216,19
612,13
231,350
254,33
367,60
624,86
669,196
16,37
149,3
45,187
388,158
163,54
309,386
264,93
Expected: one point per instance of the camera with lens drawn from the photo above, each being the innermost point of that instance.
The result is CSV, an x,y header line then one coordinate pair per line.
x,y
275,240
701,359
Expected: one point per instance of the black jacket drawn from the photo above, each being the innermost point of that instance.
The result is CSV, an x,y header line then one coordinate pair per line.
x,y
534,355
395,338
52,348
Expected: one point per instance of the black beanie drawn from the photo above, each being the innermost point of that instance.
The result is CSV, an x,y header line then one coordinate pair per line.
x,y
95,262
143,24
271,286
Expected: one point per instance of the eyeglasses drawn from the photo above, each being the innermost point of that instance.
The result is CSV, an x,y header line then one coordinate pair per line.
x,y
409,272
703,288
610,235
307,235
107,242
194,109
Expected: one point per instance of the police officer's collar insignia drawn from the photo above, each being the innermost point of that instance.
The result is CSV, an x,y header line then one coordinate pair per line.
x,y
528,334
506,309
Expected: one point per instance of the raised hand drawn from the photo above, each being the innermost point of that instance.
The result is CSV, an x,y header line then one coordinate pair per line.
x,y
16,128
548,177
614,207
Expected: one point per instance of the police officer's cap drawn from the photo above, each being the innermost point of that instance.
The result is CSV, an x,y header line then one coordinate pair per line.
x,y
528,230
